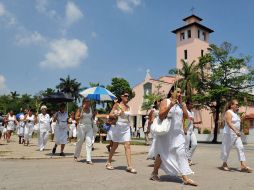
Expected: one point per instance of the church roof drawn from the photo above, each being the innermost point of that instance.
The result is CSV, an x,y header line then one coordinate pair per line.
x,y
200,19
193,24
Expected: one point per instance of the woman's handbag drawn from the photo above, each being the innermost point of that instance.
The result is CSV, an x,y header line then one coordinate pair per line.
x,y
161,127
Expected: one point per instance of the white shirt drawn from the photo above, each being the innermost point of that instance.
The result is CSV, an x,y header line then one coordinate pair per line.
x,y
236,121
44,122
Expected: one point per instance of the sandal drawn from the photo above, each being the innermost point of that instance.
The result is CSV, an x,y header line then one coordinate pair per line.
x,y
131,170
75,159
190,182
225,168
109,166
246,169
89,162
154,177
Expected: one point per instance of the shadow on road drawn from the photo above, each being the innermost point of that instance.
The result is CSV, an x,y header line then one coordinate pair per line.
x,y
168,178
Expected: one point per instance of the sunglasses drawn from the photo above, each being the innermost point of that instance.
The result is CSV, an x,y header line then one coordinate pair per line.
x,y
127,96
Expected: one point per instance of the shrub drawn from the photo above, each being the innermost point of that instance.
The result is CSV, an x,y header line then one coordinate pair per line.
x,y
206,131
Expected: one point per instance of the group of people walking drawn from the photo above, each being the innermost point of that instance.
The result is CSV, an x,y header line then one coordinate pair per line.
x,y
172,151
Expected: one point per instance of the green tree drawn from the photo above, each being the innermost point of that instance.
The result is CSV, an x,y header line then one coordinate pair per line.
x,y
70,86
222,77
149,99
188,77
118,86
14,95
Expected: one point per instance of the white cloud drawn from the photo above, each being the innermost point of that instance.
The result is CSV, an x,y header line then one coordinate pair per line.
x,y
3,87
42,7
7,19
73,13
29,39
127,6
65,54
2,9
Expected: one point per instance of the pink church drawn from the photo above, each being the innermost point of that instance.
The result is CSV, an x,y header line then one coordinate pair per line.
x,y
191,43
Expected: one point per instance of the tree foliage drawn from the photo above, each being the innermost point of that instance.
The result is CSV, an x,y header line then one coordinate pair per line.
x,y
118,86
188,77
223,76
70,86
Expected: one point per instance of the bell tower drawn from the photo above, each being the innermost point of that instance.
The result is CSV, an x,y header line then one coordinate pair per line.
x,y
192,40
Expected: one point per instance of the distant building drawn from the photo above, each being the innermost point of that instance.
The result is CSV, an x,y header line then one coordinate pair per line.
x,y
192,41
148,86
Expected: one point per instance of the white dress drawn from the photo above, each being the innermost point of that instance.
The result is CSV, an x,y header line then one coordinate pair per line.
x,y
11,123
230,139
53,125
73,129
110,134
21,131
151,154
61,128
171,147
191,140
29,127
121,132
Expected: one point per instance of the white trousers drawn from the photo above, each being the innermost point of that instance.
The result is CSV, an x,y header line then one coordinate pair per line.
x,y
228,141
191,144
42,140
84,133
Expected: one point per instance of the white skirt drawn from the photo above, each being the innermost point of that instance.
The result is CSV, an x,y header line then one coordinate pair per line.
x,y
171,148
151,153
10,127
110,134
28,132
21,131
121,132
61,135
73,131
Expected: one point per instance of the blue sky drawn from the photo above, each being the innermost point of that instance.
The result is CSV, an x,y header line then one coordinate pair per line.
x,y
96,40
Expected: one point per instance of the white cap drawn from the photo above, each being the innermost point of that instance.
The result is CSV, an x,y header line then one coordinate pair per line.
x,y
43,107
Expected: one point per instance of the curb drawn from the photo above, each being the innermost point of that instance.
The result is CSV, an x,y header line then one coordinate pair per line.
x,y
60,157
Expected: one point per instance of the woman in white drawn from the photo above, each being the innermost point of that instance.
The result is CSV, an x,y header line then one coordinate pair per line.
x,y
61,119
85,118
146,130
72,127
121,132
232,137
52,126
11,122
153,113
170,148
44,127
21,130
30,120
191,140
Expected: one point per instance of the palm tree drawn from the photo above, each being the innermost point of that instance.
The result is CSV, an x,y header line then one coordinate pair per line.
x,y
14,95
188,77
70,86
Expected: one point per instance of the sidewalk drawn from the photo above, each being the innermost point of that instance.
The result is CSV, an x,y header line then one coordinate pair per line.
x,y
13,150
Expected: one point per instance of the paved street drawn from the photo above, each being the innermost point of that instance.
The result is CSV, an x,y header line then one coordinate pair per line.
x,y
39,170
